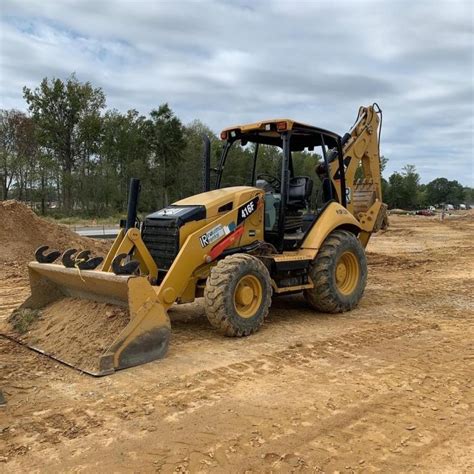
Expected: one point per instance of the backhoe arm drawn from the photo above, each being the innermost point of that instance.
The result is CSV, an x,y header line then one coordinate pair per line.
x,y
362,172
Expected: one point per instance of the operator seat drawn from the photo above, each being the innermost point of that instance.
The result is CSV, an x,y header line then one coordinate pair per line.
x,y
299,192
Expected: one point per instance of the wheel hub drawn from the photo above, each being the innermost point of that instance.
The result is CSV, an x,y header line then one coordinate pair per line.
x,y
248,296
244,295
341,272
347,273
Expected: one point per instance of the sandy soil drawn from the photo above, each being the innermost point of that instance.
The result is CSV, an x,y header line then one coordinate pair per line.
x,y
75,331
387,387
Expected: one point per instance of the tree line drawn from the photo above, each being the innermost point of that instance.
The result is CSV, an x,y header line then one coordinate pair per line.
x,y
70,155
403,190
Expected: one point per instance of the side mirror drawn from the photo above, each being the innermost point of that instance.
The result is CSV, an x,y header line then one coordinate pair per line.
x,y
206,163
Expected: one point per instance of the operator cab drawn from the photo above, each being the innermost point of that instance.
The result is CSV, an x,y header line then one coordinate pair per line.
x,y
276,148
299,194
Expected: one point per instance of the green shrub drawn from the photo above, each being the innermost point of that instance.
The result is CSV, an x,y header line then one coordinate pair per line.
x,y
21,319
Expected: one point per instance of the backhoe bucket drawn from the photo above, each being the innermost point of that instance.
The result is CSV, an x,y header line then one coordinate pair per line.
x,y
145,337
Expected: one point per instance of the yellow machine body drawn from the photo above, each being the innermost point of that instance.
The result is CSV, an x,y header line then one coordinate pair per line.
x,y
232,218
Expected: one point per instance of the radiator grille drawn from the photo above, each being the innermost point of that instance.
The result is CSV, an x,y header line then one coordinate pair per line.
x,y
161,238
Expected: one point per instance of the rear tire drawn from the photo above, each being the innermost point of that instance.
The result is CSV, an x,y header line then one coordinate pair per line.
x,y
238,295
339,274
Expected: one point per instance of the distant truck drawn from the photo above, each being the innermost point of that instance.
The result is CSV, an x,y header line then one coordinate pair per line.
x,y
425,212
448,207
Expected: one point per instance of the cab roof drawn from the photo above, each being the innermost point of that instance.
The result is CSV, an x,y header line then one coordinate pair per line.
x,y
269,132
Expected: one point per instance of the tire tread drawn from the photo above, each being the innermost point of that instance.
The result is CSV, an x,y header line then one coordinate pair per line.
x,y
324,296
217,294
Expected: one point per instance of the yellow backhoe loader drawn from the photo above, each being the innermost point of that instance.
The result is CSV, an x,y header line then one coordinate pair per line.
x,y
235,246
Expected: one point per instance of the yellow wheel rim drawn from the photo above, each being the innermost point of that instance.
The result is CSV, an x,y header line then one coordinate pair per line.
x,y
347,273
248,296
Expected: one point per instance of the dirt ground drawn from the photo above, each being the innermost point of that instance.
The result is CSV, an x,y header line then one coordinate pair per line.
x,y
386,387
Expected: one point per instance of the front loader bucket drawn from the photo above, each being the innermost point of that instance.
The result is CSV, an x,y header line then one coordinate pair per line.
x,y
145,337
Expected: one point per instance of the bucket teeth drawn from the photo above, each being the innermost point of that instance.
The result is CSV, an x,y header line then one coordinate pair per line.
x,y
81,260
67,258
83,256
128,268
91,264
41,257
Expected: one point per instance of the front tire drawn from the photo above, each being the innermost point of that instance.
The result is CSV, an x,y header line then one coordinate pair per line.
x,y
238,295
339,274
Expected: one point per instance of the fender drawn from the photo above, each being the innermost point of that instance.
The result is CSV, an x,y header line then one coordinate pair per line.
x,y
334,216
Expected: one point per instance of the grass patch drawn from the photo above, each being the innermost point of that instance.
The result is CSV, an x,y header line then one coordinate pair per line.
x,y
21,319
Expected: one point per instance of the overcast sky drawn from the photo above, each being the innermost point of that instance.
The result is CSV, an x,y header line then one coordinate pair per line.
x,y
227,62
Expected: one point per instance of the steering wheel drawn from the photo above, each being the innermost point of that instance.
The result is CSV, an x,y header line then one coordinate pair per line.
x,y
275,183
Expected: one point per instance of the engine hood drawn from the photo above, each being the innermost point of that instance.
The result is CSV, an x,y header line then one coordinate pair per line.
x,y
220,200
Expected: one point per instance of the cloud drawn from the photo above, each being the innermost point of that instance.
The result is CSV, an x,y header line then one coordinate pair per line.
x,y
226,62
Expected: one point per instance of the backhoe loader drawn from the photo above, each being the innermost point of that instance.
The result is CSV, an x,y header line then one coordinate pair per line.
x,y
235,246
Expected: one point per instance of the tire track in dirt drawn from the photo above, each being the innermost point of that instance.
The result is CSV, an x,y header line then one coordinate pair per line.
x,y
383,418
204,387
407,422
177,398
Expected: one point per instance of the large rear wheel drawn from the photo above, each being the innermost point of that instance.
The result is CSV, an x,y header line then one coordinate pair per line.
x,y
339,274
238,295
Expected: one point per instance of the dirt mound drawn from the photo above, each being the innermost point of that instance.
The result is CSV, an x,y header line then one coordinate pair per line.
x,y
22,232
73,330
